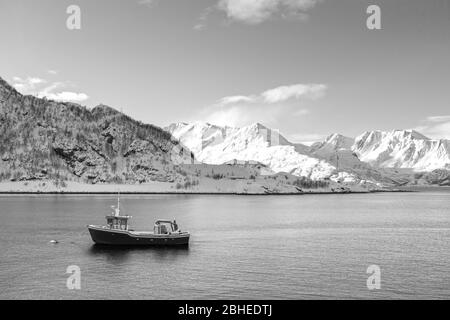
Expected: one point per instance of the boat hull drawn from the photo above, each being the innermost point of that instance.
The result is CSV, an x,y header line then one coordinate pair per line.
x,y
105,236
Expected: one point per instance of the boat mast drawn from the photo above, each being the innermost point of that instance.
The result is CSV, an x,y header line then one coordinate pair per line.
x,y
118,202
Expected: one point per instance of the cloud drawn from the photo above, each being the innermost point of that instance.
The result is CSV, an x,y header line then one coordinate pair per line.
x,y
199,26
52,72
28,84
435,127
300,112
42,89
238,116
236,99
268,107
67,96
201,23
279,94
283,93
258,11
438,118
148,3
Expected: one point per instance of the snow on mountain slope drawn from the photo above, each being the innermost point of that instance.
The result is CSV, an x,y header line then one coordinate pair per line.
x,y
335,141
199,135
216,145
336,149
402,149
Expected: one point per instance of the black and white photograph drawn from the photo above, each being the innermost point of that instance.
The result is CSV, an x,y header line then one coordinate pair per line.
x,y
224,150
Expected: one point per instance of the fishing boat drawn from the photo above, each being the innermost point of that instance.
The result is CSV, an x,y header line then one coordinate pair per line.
x,y
117,232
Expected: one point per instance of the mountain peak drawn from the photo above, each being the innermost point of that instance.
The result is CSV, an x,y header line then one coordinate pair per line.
x,y
412,134
340,141
104,109
333,142
400,133
5,88
258,125
401,149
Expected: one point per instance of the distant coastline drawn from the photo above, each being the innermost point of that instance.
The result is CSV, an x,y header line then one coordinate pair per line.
x,y
200,193
74,188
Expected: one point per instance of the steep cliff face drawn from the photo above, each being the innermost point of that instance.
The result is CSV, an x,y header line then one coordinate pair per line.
x,y
43,139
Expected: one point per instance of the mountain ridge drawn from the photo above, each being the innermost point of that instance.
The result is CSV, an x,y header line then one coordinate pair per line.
x,y
336,157
46,139
51,146
402,149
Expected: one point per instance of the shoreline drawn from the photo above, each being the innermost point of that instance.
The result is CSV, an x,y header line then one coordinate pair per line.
x,y
194,193
210,187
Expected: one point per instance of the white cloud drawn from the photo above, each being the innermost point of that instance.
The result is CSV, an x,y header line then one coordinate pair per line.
x,y
249,11
199,26
268,107
438,118
283,93
42,89
201,23
147,3
300,112
52,72
67,96
238,116
279,94
435,127
28,84
236,99
35,81
257,11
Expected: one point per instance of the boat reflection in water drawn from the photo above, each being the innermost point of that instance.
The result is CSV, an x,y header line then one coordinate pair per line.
x,y
117,232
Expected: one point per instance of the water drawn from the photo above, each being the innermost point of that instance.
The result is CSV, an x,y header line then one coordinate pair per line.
x,y
242,247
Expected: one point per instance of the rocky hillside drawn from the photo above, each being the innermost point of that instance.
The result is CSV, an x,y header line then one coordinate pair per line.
x,y
43,139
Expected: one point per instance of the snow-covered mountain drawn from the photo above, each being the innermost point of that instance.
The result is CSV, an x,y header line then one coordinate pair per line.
x,y
402,149
368,157
216,145
335,141
199,135
336,150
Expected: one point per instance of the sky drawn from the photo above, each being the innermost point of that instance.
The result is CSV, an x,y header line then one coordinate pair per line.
x,y
308,68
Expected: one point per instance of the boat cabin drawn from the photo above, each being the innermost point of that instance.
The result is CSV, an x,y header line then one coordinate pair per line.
x,y
116,221
165,227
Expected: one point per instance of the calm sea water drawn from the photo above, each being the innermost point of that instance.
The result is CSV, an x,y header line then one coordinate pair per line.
x,y
242,247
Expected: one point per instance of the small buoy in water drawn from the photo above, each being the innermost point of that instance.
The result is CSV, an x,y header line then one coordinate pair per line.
x,y
54,241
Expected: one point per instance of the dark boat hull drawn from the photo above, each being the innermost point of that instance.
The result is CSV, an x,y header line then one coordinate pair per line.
x,y
106,236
